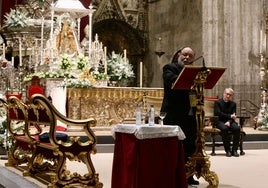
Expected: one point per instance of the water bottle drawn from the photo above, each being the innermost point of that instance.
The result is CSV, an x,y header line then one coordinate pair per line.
x,y
151,115
138,114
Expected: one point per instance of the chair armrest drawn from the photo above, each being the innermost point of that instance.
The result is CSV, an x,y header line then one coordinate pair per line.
x,y
211,120
242,119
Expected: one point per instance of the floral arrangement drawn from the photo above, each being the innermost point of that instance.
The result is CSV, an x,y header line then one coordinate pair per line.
x,y
85,80
262,118
82,62
100,76
3,126
118,68
65,62
77,83
5,141
48,74
16,19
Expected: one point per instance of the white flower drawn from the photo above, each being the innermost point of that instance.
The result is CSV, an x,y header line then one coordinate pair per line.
x,y
65,62
82,62
118,68
99,76
16,19
49,74
77,83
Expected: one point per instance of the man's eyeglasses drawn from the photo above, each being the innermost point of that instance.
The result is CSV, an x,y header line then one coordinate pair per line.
x,y
188,54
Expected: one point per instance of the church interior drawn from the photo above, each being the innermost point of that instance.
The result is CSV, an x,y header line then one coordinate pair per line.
x,y
97,60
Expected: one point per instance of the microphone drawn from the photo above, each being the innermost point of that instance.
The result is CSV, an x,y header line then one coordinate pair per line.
x,y
204,68
203,62
197,59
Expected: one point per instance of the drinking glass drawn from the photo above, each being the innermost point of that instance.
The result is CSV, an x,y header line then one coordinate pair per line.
x,y
143,117
162,115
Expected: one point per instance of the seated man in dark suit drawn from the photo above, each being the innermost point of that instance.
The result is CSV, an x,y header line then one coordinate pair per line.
x,y
225,109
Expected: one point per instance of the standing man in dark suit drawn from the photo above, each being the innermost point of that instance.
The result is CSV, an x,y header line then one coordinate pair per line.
x,y
225,109
176,102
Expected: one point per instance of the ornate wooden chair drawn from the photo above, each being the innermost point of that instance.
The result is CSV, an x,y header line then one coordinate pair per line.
x,y
47,152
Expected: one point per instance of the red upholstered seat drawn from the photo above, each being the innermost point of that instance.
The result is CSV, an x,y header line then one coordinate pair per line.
x,y
19,96
35,90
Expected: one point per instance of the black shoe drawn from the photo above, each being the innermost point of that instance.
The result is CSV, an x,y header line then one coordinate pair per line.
x,y
235,154
228,154
192,181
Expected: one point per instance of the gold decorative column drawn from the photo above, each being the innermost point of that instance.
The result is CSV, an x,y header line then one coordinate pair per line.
x,y
199,163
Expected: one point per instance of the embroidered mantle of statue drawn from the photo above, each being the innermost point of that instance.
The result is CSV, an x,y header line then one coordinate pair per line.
x,y
66,40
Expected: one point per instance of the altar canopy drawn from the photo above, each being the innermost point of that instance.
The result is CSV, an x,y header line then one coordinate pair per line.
x,y
74,7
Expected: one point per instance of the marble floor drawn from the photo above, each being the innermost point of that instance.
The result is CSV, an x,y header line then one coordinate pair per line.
x,y
248,171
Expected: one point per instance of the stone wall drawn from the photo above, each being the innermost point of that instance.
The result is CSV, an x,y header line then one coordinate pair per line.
x,y
226,32
172,25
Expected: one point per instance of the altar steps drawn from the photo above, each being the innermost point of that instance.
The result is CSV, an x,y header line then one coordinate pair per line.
x,y
255,139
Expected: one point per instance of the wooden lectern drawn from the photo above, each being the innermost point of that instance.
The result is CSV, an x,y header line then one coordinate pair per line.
x,y
197,78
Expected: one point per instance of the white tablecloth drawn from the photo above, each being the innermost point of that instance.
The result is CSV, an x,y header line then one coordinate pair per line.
x,y
145,131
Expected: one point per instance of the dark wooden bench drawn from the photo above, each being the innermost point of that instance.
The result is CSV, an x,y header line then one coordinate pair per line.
x,y
50,157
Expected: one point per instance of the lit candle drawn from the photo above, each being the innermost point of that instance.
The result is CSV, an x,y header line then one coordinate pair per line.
x,y
125,55
20,53
141,74
42,43
105,61
261,41
12,61
4,51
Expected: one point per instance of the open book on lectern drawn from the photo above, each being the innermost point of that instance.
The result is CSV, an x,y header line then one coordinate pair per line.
x,y
188,74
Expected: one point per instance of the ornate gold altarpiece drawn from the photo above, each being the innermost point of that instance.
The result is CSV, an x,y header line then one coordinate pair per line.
x,y
109,105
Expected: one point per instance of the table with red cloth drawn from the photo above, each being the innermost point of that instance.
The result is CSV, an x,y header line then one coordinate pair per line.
x,y
148,157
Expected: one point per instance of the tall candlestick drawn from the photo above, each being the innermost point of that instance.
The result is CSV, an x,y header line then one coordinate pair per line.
x,y
125,55
12,61
261,41
141,74
90,34
105,60
52,20
4,51
42,43
20,53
